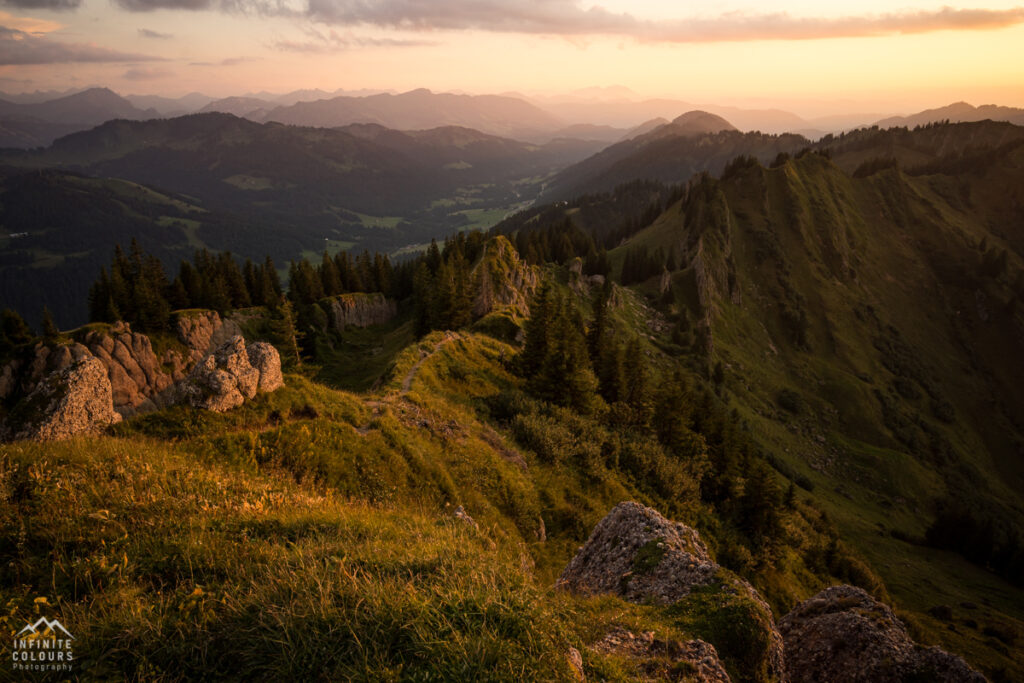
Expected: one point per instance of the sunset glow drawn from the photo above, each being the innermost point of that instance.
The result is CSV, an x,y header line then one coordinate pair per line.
x,y
809,58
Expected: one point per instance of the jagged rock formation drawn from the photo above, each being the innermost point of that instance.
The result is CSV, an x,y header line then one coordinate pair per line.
x,y
137,378
503,279
361,310
661,660
225,379
842,635
70,401
202,331
638,554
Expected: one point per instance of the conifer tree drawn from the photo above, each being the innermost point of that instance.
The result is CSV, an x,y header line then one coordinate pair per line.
x,y
14,331
535,345
330,278
50,329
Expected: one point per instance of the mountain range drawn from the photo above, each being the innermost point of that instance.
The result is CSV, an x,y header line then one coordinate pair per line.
x,y
607,115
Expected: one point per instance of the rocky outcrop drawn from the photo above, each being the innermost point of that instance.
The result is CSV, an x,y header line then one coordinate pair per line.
x,y
360,310
843,635
203,331
267,362
663,660
70,401
502,279
137,378
224,379
638,554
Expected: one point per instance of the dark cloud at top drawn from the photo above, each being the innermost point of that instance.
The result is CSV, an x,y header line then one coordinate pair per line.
x,y
20,48
566,17
57,5
569,18
156,35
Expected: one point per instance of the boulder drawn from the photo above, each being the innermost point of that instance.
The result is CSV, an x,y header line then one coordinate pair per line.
x,y
636,553
267,361
73,400
842,635
226,378
639,555
654,659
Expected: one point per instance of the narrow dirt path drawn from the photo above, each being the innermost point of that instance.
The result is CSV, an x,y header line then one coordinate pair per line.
x,y
407,382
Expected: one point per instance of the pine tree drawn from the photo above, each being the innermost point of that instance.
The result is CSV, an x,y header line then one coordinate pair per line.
x,y
330,278
636,389
50,329
535,346
14,331
423,304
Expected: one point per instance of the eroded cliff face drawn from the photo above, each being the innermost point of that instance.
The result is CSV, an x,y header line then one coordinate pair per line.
x,y
136,377
361,310
503,279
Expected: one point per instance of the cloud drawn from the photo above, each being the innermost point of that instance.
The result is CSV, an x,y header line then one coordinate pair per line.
x,y
29,24
142,74
569,18
56,5
229,61
21,48
320,42
146,33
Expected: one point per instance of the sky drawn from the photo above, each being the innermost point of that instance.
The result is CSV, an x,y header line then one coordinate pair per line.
x,y
813,58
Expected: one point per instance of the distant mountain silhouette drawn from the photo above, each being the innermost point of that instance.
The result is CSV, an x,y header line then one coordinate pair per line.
x,y
421,109
239,106
40,123
669,153
956,113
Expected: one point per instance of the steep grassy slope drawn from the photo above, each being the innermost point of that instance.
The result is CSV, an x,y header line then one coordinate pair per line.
x,y
309,534
867,328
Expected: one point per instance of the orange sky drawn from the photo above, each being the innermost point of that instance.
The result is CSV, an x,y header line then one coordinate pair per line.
x,y
869,55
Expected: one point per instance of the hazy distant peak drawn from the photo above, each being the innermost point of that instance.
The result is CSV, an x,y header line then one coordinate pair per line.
x,y
699,122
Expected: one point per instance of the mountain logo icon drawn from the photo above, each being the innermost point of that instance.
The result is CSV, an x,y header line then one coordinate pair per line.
x,y
53,628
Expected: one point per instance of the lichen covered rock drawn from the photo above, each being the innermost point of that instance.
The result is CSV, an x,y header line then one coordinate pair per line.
x,y
71,401
654,659
226,378
267,361
843,635
639,555
636,553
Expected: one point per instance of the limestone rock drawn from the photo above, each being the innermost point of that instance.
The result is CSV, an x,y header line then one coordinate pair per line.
x,y
73,400
222,380
843,635
502,279
267,362
636,553
361,310
203,331
661,660
137,377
